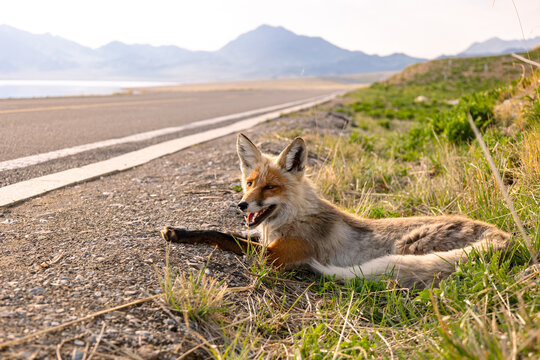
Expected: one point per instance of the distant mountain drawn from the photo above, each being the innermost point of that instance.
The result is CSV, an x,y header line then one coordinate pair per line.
x,y
496,46
270,46
144,60
22,51
266,52
277,51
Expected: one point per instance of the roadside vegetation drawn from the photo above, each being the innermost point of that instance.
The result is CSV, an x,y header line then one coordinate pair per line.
x,y
409,151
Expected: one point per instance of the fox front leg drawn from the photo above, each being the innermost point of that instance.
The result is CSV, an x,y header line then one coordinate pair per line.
x,y
225,241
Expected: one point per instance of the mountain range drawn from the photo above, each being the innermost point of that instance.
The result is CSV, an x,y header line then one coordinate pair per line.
x,y
266,52
496,46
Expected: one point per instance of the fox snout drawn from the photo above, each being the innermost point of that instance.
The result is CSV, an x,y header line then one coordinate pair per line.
x,y
251,206
243,205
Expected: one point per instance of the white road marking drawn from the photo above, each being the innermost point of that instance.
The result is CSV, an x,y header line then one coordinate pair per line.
x,y
57,154
15,193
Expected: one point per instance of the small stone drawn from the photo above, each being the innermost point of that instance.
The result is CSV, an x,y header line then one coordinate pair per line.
x,y
173,328
79,342
37,290
77,355
10,221
208,272
148,352
143,333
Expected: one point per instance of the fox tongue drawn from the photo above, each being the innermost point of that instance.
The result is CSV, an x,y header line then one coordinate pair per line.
x,y
250,217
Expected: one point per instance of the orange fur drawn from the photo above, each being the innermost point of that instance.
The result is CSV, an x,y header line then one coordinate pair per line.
x,y
287,252
257,191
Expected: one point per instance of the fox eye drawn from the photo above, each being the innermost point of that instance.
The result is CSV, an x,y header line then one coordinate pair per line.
x,y
269,187
249,183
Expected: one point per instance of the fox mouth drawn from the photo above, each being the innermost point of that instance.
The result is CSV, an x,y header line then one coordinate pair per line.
x,y
254,219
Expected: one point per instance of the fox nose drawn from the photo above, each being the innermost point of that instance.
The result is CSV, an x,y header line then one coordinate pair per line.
x,y
243,205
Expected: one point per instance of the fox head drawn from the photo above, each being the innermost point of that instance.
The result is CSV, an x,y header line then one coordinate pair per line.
x,y
272,185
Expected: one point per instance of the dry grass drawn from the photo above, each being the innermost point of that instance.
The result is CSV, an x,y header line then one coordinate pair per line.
x,y
196,296
530,156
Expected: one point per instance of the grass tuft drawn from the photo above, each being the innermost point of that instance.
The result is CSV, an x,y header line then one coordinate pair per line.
x,y
195,296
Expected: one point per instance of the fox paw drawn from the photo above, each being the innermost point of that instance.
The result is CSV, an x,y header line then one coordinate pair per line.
x,y
171,234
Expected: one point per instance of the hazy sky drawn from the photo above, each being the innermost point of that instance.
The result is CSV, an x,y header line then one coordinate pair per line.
x,y
425,28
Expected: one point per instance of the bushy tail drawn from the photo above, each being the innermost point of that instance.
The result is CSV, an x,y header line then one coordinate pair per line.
x,y
412,270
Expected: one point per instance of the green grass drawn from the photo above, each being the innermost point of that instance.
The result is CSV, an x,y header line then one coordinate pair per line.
x,y
197,297
423,161
237,188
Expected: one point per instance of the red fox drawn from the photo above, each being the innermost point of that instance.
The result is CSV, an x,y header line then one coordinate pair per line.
x,y
300,228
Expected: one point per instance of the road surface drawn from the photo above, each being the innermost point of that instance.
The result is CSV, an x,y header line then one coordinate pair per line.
x,y
34,126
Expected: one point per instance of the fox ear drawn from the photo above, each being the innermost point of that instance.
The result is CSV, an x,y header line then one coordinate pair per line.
x,y
294,157
248,153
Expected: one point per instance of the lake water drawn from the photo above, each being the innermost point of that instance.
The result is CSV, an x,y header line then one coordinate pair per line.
x,y
51,88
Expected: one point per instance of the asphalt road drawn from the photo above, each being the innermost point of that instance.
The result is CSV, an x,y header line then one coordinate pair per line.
x,y
34,126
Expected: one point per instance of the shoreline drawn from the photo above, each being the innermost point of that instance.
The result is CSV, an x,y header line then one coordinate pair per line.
x,y
43,89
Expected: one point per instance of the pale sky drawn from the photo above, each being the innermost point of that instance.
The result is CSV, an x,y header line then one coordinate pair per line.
x,y
424,28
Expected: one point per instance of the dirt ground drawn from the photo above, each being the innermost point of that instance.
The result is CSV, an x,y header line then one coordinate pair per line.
x,y
95,246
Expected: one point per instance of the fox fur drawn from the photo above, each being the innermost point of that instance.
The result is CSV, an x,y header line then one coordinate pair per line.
x,y
301,228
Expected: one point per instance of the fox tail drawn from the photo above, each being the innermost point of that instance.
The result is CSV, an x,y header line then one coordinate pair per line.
x,y
411,270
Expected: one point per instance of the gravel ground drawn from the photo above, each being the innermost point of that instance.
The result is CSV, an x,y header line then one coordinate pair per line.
x,y
94,246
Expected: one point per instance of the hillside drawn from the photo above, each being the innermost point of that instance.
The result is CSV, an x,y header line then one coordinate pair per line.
x,y
459,74
265,52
